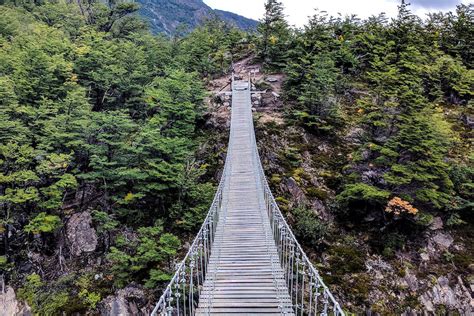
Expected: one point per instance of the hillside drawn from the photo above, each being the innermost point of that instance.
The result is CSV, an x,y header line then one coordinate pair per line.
x,y
166,16
113,141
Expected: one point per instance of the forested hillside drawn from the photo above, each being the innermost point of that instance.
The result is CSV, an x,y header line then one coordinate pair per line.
x,y
101,130
111,150
371,153
174,17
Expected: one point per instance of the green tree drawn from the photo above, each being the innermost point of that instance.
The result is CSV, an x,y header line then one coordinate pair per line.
x,y
146,257
274,32
313,73
409,138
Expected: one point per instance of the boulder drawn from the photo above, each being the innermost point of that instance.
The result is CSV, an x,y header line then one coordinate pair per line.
x,y
268,100
355,135
456,297
437,224
128,301
324,148
81,235
443,240
411,280
318,206
469,120
424,256
296,193
10,306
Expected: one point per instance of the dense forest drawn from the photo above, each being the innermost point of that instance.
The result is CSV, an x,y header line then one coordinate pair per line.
x,y
110,151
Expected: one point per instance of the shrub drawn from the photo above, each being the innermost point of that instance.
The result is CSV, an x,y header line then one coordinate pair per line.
x,y
43,223
307,225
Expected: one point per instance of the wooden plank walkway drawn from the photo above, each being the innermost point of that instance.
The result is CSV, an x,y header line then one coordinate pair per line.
x,y
244,275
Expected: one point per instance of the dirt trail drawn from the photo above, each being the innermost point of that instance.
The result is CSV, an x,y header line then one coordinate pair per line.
x,y
266,100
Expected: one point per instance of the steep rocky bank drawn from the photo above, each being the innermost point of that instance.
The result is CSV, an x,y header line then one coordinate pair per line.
x,y
431,273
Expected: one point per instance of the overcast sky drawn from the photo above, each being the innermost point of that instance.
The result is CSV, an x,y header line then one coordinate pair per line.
x,y
297,11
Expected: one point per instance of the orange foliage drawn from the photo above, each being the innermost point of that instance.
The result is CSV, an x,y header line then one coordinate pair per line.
x,y
398,206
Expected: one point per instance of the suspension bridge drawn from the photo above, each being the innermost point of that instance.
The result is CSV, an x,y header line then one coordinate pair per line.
x,y
245,259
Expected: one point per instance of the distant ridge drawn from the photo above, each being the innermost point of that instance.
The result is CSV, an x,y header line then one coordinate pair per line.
x,y
165,16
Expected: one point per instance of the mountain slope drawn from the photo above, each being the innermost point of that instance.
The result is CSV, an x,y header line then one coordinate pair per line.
x,y
166,16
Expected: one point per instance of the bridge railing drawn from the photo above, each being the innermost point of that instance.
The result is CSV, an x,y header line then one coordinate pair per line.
x,y
308,292
181,296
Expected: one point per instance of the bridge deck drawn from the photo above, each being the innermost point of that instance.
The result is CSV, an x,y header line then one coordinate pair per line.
x,y
244,275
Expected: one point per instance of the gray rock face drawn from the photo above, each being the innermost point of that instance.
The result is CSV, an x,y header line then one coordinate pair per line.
x,y
457,297
469,120
125,302
268,100
446,292
355,135
295,191
81,235
318,207
443,241
437,224
411,280
10,306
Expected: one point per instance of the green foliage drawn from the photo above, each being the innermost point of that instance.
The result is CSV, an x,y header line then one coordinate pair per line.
x,y
43,223
307,226
312,71
104,221
363,192
211,48
88,293
42,300
462,176
146,258
408,138
455,220
95,112
157,277
391,243
424,219
90,298
53,303
346,258
318,193
448,79
194,198
274,35
452,31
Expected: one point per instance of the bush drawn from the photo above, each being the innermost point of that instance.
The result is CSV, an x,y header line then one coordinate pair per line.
x,y
307,226
43,223
346,259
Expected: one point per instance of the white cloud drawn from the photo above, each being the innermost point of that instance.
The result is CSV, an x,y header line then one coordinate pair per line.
x,y
299,10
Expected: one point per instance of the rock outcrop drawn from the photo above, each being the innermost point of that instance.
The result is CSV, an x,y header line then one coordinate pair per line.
x,y
295,191
128,301
81,235
10,306
454,297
